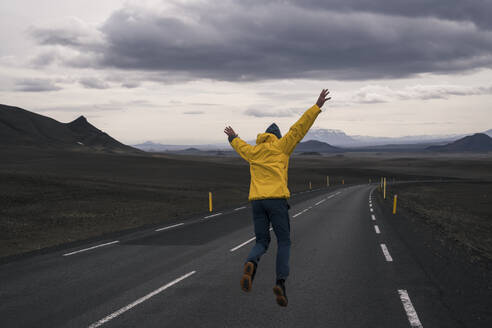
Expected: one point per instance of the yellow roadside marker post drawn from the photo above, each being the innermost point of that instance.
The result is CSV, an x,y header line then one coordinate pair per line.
x,y
384,188
343,181
310,186
369,180
210,207
394,204
327,180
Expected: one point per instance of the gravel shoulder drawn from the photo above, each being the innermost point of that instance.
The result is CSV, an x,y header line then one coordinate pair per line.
x,y
460,211
446,227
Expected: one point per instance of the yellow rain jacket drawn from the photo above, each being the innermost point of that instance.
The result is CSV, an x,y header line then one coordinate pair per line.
x,y
269,159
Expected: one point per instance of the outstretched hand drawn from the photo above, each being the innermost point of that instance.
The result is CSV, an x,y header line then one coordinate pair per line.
x,y
230,132
322,98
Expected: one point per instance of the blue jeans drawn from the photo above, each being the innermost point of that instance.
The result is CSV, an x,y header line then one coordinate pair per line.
x,y
274,211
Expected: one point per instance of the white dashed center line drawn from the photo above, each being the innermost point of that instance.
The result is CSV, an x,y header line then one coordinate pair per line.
x,y
372,210
169,227
211,216
140,300
413,318
239,208
373,217
321,201
386,253
303,211
89,248
241,245
376,228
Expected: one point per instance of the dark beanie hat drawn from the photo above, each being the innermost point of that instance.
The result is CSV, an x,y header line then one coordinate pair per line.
x,y
273,129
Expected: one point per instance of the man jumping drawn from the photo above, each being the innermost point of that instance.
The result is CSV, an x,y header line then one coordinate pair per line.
x,y
268,192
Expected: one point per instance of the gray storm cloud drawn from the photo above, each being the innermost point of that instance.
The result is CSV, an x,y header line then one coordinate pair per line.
x,y
252,40
476,12
93,83
372,94
36,85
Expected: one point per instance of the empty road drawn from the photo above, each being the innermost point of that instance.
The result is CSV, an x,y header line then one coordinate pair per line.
x,y
348,269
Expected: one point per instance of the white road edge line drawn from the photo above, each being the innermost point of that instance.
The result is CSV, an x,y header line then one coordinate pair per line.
x,y
386,253
301,212
241,245
169,227
376,228
373,217
413,318
321,201
89,248
239,208
211,216
140,300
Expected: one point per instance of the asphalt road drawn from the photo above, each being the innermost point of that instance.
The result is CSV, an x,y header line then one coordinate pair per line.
x,y
187,275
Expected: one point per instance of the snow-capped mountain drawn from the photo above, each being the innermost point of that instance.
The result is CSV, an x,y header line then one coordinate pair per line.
x,y
330,136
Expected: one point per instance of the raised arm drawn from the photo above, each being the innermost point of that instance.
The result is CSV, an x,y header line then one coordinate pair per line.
x,y
240,146
297,131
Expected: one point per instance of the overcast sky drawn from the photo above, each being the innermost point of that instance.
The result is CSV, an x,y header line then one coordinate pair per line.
x,y
179,71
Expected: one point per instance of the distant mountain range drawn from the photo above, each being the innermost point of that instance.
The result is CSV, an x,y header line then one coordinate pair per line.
x,y
332,137
479,142
420,144
340,139
157,147
313,146
20,127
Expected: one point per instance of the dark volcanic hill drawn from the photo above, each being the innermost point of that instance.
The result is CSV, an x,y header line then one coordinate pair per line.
x,y
317,146
19,127
478,142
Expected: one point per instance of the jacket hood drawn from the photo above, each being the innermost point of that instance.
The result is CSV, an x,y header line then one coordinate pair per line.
x,y
274,129
265,137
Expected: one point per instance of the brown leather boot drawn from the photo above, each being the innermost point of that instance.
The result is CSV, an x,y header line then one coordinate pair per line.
x,y
280,293
248,276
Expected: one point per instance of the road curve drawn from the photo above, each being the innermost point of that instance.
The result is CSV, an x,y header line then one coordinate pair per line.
x,y
348,269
